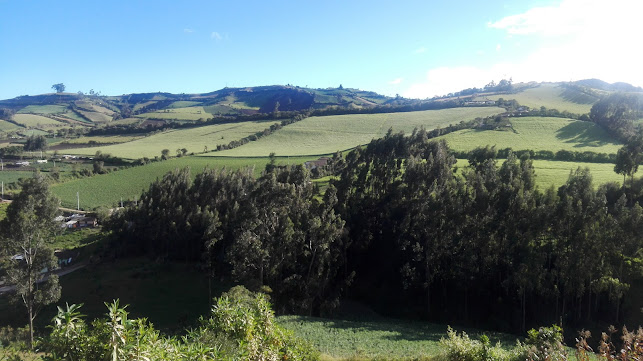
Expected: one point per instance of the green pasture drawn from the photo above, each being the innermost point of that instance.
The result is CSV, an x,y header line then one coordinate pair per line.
x,y
43,109
187,113
551,96
107,139
193,139
108,189
183,104
538,133
6,126
142,105
96,117
34,120
324,135
555,173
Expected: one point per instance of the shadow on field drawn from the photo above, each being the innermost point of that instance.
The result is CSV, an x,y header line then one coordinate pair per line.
x,y
582,134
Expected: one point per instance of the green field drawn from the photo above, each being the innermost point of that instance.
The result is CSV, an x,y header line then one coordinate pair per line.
x,y
43,109
96,117
550,96
555,173
107,189
537,133
33,120
6,126
193,139
323,135
377,337
109,139
187,113
183,104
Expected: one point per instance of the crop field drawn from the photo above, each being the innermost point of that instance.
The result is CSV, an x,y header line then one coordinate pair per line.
x,y
193,139
552,97
183,104
33,120
188,113
142,105
11,176
324,135
537,133
43,109
102,139
107,189
97,117
6,126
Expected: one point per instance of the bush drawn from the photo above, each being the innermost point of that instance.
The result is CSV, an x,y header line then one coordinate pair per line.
x,y
462,348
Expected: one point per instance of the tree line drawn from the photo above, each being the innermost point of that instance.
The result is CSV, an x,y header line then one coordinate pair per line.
x,y
403,230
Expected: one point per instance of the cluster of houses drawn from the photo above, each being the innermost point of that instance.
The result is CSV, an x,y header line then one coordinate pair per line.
x,y
77,221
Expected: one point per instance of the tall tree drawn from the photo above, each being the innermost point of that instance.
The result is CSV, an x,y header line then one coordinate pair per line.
x,y
59,88
26,232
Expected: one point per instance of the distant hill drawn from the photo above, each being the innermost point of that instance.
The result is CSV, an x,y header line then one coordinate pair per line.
x,y
48,113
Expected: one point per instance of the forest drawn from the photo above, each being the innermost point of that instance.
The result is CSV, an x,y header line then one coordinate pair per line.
x,y
402,229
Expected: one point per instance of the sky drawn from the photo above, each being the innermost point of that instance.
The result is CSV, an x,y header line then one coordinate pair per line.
x,y
416,49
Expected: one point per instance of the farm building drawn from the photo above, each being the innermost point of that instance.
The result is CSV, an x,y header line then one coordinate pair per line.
x,y
321,162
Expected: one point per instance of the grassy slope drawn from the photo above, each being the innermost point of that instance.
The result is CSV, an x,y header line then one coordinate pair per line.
x,y
323,135
188,113
555,173
107,189
193,139
538,134
33,120
6,126
550,96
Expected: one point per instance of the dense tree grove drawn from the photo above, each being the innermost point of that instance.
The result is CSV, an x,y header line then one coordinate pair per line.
x,y
403,229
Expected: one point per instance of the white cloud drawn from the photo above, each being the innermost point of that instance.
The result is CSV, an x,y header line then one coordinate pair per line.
x,y
498,46
420,50
188,30
216,36
583,39
396,81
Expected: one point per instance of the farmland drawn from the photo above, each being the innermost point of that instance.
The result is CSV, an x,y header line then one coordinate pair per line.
x,y
107,189
551,96
537,133
33,120
187,113
323,135
193,139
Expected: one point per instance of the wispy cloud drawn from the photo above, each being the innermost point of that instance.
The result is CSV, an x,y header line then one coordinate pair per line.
x,y
580,39
188,30
216,36
396,81
420,50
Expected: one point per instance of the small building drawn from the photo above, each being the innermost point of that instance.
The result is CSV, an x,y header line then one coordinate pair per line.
x,y
41,161
23,163
321,162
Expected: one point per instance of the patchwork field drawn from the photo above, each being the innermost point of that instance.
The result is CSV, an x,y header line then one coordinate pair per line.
x,y
538,134
193,139
187,113
33,120
6,126
324,135
107,189
551,96
43,109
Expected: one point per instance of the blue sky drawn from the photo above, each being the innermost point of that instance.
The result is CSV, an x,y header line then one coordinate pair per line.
x,y
412,48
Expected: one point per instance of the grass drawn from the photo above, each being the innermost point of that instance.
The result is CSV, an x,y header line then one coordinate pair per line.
x,y
538,133
324,135
6,126
376,337
550,96
183,104
109,139
33,120
187,113
193,139
107,189
96,117
43,109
